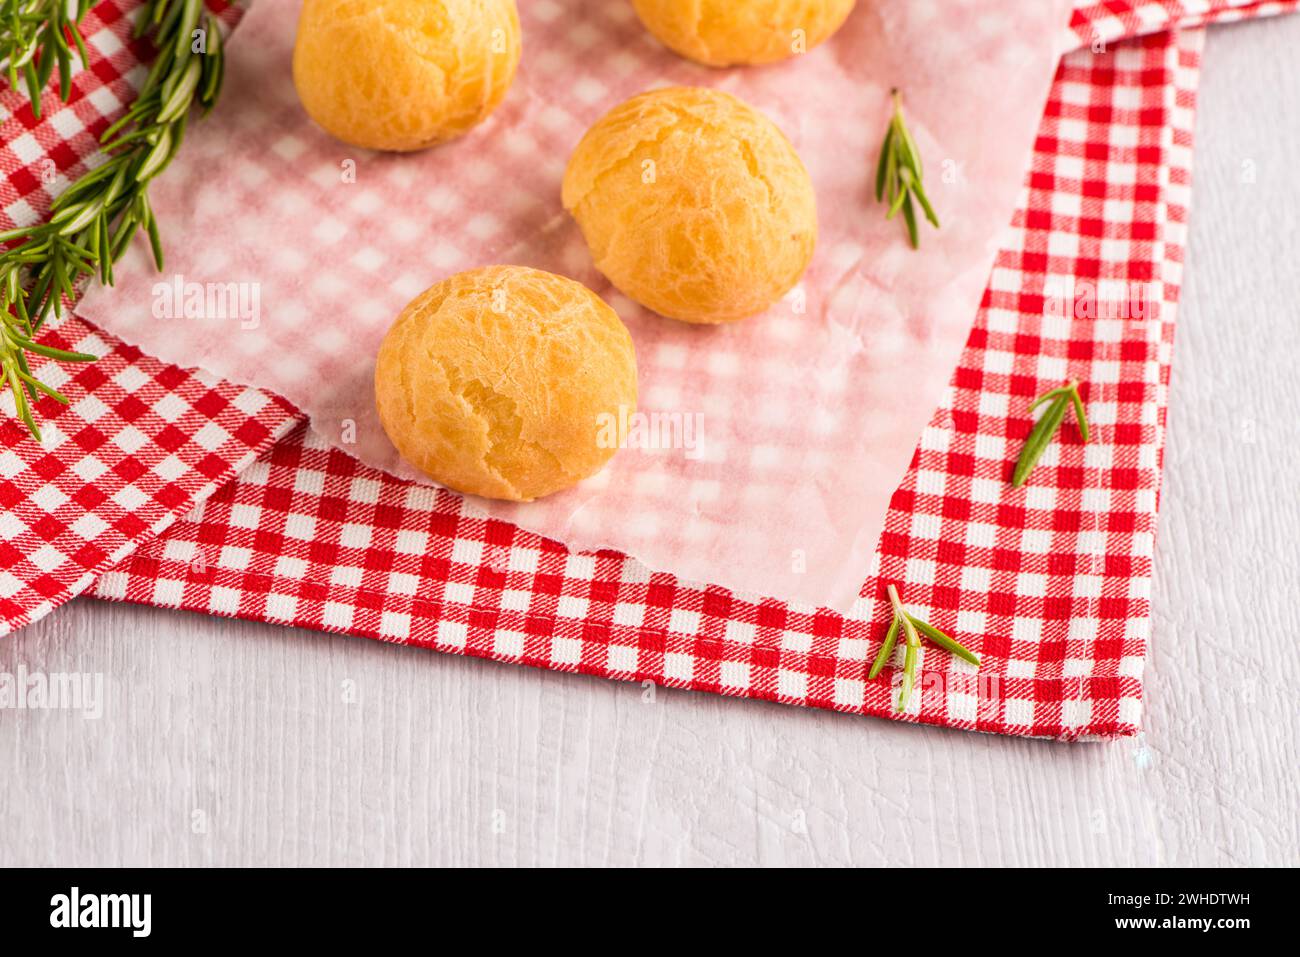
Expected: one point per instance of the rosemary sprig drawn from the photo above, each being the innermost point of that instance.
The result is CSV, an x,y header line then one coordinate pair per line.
x,y
913,628
35,35
93,222
899,173
1040,437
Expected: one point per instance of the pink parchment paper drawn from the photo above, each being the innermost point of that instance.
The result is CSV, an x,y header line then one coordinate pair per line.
x,y
787,434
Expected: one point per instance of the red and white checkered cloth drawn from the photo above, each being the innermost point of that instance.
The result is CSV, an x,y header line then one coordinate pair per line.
x,y
142,442
1049,584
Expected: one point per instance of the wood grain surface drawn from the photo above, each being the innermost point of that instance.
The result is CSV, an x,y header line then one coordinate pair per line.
x,y
231,743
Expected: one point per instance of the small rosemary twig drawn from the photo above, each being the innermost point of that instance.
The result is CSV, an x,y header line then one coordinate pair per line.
x,y
93,222
913,627
1040,437
37,35
898,175
913,648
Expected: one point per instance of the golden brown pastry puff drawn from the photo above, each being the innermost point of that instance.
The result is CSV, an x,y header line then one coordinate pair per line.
x,y
502,382
404,74
694,204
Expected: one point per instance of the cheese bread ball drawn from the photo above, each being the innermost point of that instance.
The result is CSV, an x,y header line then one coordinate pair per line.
x,y
730,32
404,74
693,204
506,382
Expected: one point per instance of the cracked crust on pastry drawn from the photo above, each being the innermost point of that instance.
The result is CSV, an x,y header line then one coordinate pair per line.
x,y
495,382
694,204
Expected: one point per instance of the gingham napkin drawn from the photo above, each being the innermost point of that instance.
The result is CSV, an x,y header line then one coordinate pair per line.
x,y
1051,585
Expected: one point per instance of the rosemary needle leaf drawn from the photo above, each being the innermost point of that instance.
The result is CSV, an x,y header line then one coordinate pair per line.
x,y
82,218
931,217
901,198
25,373
157,157
891,183
126,120
155,242
190,13
882,167
909,677
911,154
183,94
35,384
105,245
909,214
33,88
45,68
80,42
92,178
213,66
943,641
1080,416
887,649
61,355
1039,438
65,72
20,399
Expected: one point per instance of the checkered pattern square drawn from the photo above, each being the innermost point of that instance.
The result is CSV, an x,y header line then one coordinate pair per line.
x,y
1050,583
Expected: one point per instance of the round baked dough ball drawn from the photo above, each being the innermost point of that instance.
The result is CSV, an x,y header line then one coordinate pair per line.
x,y
404,74
693,204
506,382
729,32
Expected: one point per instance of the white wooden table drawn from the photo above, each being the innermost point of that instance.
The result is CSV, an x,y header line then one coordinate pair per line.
x,y
233,743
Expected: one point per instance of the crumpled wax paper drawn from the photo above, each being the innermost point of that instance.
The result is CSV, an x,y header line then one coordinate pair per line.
x,y
766,452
